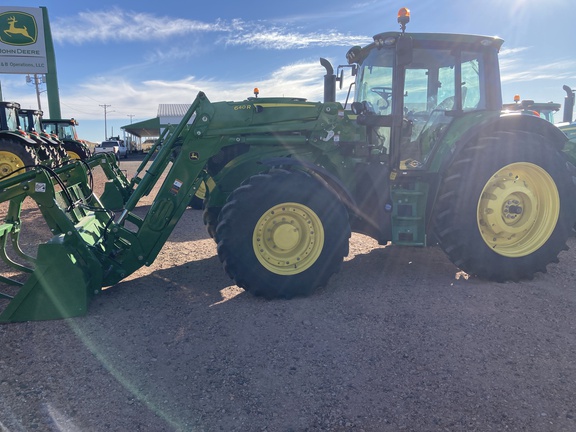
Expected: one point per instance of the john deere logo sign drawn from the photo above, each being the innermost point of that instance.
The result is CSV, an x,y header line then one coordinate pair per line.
x,y
22,44
18,28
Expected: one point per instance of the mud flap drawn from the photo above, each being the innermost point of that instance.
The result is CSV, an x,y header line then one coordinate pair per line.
x,y
60,287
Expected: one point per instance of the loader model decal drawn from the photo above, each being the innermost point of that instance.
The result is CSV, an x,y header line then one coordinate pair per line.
x,y
18,28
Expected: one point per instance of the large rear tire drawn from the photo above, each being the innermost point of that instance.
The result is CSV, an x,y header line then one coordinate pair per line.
x,y
506,207
282,234
76,150
16,158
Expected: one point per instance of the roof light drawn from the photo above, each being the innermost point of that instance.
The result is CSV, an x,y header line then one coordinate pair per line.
x,y
256,91
403,18
517,98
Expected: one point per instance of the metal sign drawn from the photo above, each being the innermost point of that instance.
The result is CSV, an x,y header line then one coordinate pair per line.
x,y
22,44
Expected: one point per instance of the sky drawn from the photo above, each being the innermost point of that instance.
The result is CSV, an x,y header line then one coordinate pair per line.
x,y
124,58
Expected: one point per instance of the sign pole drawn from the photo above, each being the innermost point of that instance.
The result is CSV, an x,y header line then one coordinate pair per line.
x,y
51,76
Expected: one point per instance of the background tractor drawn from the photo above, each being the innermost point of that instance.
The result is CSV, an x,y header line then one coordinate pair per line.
x,y
424,156
49,146
65,130
18,150
546,110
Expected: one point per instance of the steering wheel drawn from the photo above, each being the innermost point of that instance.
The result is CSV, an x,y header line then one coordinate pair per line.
x,y
385,93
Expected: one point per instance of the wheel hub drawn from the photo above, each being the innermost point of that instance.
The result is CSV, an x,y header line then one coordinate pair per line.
x,y
288,238
9,163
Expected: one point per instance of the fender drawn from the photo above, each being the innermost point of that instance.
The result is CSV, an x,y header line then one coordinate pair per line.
x,y
331,181
15,136
511,122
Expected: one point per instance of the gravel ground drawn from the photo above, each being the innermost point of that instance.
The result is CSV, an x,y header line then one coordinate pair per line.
x,y
398,340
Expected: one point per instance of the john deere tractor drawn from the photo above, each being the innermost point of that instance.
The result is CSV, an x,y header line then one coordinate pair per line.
x,y
49,146
423,157
18,150
545,110
65,131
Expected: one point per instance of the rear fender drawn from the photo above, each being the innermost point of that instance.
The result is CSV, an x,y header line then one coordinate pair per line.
x,y
513,122
14,136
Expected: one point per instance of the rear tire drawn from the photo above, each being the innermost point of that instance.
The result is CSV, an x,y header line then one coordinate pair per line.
x,y
14,157
76,150
506,207
282,234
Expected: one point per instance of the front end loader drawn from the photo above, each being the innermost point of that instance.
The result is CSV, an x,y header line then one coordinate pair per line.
x,y
423,156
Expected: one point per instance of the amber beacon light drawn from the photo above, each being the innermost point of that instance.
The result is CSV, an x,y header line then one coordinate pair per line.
x,y
403,17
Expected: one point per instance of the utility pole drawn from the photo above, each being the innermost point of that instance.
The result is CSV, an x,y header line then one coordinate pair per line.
x,y
130,115
37,80
105,125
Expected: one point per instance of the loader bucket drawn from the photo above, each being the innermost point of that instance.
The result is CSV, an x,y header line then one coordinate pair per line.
x,y
65,273
60,287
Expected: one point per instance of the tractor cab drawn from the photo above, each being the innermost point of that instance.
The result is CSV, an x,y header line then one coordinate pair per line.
x,y
410,87
64,129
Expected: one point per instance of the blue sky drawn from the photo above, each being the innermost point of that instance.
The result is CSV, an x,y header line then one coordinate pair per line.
x,y
135,55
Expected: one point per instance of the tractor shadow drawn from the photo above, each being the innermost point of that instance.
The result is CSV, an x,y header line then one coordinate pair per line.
x,y
203,283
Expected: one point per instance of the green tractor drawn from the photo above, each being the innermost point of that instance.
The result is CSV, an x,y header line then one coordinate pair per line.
x,y
546,110
65,130
49,146
424,156
18,150
568,125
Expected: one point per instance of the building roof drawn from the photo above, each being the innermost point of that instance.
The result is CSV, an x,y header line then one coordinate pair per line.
x,y
173,110
146,128
151,127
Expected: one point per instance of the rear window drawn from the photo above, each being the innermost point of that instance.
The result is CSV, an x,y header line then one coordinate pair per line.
x,y
109,144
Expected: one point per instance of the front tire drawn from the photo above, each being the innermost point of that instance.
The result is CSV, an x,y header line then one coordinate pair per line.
x,y
282,234
506,207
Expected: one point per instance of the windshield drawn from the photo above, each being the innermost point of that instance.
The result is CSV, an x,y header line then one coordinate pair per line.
x,y
374,81
11,119
37,123
436,83
24,122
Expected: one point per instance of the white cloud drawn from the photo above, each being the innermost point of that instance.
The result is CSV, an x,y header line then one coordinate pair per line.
x,y
283,39
303,79
515,67
121,26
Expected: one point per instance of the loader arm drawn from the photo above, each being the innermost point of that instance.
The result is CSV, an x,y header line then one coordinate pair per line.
x,y
91,248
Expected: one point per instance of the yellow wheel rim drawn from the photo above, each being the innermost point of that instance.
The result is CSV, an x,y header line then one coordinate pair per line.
x,y
518,209
288,238
9,163
73,155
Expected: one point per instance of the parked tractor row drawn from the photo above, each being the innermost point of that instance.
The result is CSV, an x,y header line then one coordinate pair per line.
x,y
424,156
26,140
